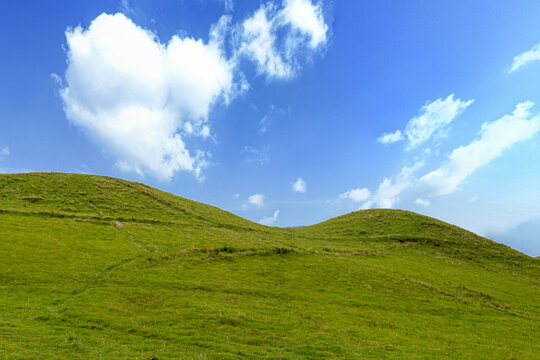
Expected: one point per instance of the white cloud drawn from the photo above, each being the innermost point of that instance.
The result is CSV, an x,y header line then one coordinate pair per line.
x,y
270,220
250,154
306,18
126,7
526,57
135,96
299,22
229,5
256,200
4,152
390,138
267,119
494,138
422,202
258,40
263,124
432,119
388,192
299,186
57,80
357,195
144,101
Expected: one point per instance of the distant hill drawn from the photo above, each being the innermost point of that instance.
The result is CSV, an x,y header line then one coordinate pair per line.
x,y
94,267
524,237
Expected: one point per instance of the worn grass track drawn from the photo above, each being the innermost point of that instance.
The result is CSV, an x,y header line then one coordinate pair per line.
x,y
94,267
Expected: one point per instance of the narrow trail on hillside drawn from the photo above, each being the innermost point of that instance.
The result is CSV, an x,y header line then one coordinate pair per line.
x,y
97,281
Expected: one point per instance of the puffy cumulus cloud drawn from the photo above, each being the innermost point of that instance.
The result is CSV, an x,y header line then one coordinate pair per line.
x,y
270,220
299,186
140,98
277,39
390,138
422,202
432,120
357,195
494,138
144,101
526,57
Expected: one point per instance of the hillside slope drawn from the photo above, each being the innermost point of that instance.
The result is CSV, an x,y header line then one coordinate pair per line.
x,y
96,267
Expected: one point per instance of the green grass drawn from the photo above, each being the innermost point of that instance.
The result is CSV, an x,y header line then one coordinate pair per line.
x,y
94,267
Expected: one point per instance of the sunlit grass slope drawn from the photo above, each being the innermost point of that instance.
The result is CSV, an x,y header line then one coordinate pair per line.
x,y
95,267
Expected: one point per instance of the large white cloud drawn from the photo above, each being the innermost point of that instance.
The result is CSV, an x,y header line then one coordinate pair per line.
x,y
276,39
432,120
494,138
140,98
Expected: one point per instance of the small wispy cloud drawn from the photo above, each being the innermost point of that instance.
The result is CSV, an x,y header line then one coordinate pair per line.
x,y
525,57
389,189
271,115
229,5
263,124
57,80
4,152
269,221
125,7
250,154
432,120
390,138
299,186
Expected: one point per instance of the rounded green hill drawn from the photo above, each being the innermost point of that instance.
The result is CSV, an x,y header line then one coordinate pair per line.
x,y
97,267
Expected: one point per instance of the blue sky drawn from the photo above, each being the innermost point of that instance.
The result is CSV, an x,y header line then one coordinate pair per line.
x,y
286,112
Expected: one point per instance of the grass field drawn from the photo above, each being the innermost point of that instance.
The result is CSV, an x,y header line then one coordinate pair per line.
x,y
100,268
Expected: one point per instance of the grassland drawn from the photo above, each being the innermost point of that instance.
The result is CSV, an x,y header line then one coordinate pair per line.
x,y
100,268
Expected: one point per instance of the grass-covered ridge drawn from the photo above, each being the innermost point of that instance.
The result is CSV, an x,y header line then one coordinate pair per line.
x,y
96,267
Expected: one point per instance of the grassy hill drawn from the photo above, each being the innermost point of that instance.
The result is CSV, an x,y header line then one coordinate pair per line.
x,y
96,267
